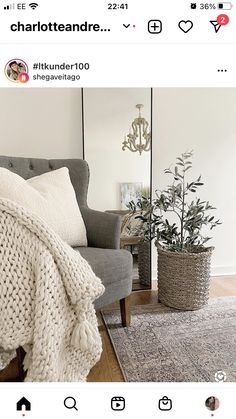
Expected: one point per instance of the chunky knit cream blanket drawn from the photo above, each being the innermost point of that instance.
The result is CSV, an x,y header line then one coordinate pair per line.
x,y
46,300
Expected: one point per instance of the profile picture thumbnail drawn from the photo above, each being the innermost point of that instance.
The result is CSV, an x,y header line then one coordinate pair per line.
x,y
16,70
212,403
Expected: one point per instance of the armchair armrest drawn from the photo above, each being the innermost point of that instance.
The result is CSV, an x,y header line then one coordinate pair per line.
x,y
103,229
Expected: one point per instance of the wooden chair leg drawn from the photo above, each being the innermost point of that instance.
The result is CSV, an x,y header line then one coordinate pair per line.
x,y
125,311
20,359
14,371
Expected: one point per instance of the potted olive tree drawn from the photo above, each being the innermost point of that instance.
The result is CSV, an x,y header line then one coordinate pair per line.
x,y
177,221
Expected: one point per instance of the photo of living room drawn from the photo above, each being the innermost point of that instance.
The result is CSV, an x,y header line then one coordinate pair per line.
x,y
118,235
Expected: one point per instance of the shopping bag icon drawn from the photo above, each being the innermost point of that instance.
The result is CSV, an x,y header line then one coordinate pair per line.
x,y
165,404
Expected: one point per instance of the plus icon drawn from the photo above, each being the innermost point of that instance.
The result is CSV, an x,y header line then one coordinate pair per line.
x,y
155,26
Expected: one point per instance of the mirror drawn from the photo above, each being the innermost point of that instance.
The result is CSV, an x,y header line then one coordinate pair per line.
x,y
117,147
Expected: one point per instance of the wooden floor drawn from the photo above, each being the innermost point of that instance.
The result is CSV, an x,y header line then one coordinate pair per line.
x,y
107,369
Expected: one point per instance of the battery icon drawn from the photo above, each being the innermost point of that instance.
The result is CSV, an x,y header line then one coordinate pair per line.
x,y
225,5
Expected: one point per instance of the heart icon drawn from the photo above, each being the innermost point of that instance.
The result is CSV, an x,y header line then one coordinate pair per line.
x,y
185,25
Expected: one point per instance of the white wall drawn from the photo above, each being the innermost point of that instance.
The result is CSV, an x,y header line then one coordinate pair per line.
x,y
203,120
108,116
41,123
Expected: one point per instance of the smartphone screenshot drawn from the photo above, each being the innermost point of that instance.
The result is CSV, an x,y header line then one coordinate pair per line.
x,y
117,209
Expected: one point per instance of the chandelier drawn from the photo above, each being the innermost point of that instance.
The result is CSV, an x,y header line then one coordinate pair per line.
x,y
139,137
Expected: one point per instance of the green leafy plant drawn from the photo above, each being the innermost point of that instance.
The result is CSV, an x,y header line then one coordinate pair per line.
x,y
190,216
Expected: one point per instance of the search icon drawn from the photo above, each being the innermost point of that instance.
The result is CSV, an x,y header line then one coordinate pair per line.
x,y
70,403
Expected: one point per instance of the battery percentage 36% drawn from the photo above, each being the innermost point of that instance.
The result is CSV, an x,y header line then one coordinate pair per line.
x,y
207,6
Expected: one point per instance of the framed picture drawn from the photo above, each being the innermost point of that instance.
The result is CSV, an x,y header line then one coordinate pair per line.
x,y
130,192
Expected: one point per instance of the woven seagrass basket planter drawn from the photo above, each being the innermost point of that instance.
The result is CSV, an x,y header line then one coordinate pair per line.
x,y
144,263
184,278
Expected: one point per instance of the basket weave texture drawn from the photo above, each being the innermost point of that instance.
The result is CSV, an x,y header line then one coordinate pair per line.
x,y
144,263
184,278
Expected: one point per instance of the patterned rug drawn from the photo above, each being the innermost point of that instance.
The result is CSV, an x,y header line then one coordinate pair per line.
x,y
164,344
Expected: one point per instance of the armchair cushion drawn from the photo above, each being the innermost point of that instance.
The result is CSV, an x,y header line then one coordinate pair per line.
x,y
103,229
51,197
114,268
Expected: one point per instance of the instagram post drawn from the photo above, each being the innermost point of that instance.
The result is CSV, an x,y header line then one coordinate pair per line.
x,y
117,246
117,210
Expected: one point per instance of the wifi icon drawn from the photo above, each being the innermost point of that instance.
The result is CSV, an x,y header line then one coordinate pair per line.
x,y
33,5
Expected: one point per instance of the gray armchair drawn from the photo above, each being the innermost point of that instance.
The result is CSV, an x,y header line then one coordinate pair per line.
x,y
112,265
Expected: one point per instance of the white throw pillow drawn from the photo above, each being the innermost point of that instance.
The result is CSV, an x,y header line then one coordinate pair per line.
x,y
51,197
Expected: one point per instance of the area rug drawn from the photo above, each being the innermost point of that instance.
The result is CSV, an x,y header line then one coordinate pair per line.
x,y
168,345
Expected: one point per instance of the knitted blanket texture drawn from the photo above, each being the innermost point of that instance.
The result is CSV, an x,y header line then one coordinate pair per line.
x,y
47,292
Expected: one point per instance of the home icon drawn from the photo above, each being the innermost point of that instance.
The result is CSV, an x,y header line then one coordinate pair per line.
x,y
23,404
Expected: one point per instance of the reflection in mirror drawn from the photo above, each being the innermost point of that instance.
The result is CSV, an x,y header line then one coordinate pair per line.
x,y
117,147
